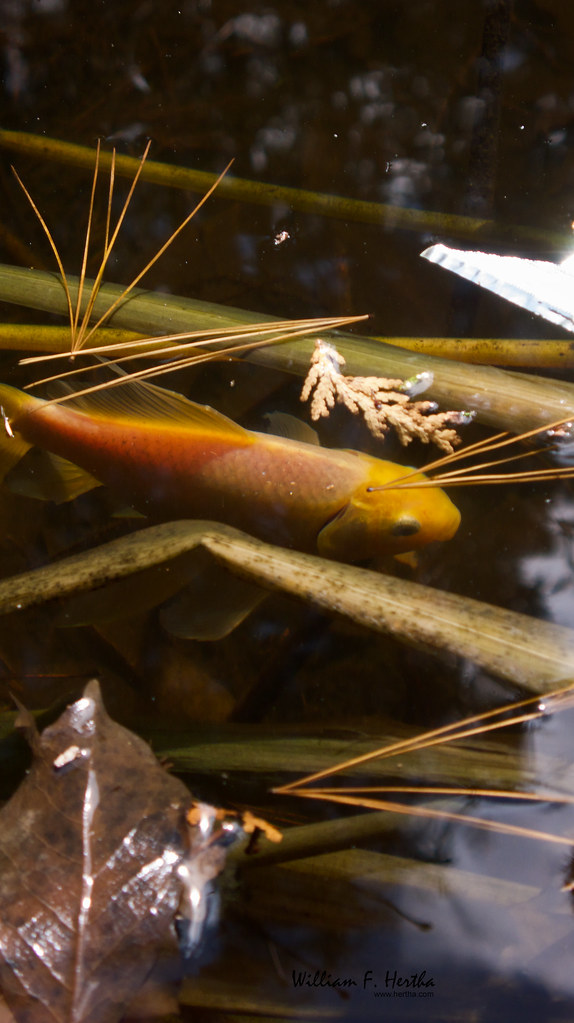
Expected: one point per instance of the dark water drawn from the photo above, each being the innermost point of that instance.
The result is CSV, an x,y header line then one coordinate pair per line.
x,y
459,107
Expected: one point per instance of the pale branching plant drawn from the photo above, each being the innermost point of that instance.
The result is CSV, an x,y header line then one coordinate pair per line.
x,y
383,402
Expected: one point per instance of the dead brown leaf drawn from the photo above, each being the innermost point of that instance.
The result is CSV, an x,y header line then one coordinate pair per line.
x,y
90,846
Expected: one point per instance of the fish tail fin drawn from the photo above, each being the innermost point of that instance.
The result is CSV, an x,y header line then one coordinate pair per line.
x,y
13,404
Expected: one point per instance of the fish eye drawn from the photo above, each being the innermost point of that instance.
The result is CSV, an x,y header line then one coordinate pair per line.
x,y
405,527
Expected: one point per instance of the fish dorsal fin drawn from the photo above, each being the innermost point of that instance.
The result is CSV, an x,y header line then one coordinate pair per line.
x,y
281,424
137,400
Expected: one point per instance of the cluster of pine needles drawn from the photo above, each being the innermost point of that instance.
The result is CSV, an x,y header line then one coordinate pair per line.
x,y
372,797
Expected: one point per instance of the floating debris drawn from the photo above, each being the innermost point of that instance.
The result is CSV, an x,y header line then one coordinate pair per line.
x,y
383,402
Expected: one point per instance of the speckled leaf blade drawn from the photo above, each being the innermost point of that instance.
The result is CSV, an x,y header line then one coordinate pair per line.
x,y
89,848
536,655
508,401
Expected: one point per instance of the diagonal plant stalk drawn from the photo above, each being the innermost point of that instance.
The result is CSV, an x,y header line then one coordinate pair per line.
x,y
243,190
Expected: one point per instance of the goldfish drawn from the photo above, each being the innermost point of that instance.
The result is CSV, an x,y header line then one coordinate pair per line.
x,y
171,458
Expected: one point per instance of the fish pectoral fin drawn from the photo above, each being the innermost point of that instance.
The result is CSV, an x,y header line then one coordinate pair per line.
x,y
409,558
134,399
12,450
125,511
13,447
212,605
343,536
205,600
49,477
282,424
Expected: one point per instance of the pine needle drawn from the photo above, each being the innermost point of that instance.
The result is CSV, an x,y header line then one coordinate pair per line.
x,y
80,330
167,345
295,328
460,477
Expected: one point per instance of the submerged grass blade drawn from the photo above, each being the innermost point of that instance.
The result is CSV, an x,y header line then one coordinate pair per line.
x,y
510,401
478,724
375,872
317,203
552,353
249,749
536,655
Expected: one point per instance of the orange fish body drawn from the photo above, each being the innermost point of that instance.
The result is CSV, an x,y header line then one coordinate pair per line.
x,y
171,458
